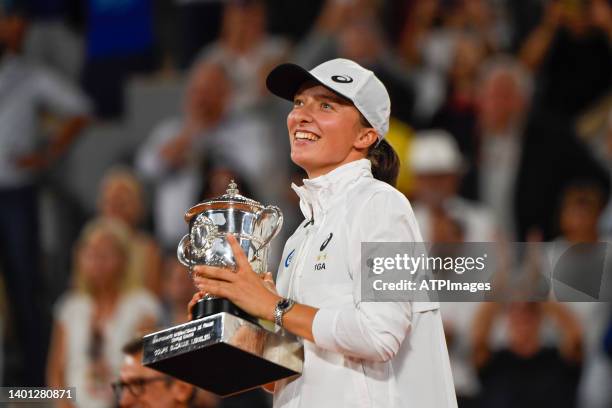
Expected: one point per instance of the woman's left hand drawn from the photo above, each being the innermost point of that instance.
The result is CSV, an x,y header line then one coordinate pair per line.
x,y
243,287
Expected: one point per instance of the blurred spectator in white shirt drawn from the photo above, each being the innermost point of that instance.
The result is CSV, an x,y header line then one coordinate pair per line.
x,y
437,165
443,216
52,40
29,97
98,315
173,157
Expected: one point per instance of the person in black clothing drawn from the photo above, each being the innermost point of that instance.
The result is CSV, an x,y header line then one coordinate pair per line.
x,y
524,157
525,373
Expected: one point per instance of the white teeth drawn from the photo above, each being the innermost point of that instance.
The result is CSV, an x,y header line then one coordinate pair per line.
x,y
306,135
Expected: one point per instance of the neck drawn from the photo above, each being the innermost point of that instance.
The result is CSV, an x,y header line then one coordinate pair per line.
x,y
106,294
502,127
321,171
582,236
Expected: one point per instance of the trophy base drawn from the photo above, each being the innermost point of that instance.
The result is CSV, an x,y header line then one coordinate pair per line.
x,y
209,307
224,353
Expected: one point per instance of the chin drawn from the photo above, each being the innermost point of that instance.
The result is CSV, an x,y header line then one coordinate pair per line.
x,y
301,160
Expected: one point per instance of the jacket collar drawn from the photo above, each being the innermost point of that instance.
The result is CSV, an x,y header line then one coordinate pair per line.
x,y
318,194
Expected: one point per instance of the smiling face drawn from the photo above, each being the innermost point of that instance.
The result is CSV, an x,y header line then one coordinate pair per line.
x,y
325,131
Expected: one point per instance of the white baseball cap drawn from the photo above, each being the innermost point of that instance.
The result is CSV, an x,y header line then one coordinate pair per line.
x,y
344,77
435,151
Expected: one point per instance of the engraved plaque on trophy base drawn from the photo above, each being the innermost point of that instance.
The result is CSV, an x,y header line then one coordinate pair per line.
x,y
224,353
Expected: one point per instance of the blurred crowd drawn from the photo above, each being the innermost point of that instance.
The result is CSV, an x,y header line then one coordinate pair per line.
x,y
117,116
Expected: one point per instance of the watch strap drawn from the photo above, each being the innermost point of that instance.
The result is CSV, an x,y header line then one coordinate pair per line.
x,y
282,307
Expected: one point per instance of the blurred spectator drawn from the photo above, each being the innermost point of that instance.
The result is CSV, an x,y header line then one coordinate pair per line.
x,y
571,53
52,40
121,198
526,374
459,111
172,158
427,43
98,316
432,25
27,93
503,102
178,291
580,208
245,50
457,317
140,386
438,166
508,174
119,42
362,40
444,217
351,30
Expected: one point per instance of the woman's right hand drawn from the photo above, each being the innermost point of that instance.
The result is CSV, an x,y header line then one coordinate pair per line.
x,y
268,283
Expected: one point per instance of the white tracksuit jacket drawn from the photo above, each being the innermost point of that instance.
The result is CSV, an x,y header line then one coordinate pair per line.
x,y
365,354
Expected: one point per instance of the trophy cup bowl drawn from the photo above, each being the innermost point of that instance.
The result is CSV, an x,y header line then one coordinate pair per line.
x,y
224,349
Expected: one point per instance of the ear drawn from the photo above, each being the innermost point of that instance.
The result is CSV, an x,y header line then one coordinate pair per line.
x,y
366,138
181,391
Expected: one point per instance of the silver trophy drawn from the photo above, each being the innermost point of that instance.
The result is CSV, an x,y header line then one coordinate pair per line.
x,y
250,222
224,349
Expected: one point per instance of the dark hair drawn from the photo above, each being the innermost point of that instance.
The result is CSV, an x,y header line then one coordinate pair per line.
x,y
385,162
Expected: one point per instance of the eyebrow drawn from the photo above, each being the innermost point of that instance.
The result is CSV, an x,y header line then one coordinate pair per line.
x,y
329,97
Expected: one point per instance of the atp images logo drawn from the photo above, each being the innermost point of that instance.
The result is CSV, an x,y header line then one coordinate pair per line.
x,y
487,271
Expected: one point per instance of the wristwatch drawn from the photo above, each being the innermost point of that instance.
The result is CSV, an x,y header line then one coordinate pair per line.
x,y
282,307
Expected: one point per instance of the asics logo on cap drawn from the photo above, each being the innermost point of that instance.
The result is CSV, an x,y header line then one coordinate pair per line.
x,y
343,79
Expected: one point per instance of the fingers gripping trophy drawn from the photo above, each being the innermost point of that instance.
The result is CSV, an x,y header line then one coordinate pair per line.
x,y
223,349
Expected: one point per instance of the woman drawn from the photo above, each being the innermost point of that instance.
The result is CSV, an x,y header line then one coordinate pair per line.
x,y
121,198
357,354
94,320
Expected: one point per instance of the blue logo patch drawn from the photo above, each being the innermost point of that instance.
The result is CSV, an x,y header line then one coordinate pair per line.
x,y
289,258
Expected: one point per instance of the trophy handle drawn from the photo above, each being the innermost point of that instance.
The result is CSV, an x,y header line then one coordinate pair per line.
x,y
183,251
274,213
